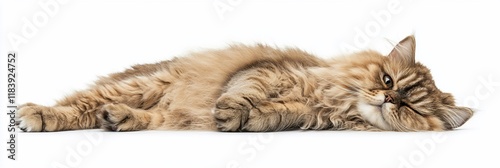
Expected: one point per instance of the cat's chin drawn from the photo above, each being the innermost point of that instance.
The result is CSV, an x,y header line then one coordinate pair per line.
x,y
373,113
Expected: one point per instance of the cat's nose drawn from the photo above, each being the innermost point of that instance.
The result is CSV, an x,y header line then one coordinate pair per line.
x,y
391,97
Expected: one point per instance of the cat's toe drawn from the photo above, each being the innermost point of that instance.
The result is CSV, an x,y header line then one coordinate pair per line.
x,y
230,114
228,119
115,117
30,119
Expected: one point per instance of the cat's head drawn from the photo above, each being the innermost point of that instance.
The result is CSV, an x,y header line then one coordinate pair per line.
x,y
399,94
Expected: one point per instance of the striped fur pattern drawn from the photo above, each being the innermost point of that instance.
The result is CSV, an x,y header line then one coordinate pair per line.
x,y
259,88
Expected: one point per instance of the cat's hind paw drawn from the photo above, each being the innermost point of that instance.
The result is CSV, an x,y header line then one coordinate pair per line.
x,y
119,117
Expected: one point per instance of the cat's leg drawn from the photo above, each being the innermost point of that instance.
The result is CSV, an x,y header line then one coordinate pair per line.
x,y
74,112
120,117
35,118
276,116
78,111
232,114
248,104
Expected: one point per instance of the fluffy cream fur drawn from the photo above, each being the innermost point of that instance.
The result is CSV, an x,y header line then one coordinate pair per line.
x,y
259,88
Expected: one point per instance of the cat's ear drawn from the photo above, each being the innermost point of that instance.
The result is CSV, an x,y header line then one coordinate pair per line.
x,y
404,51
455,116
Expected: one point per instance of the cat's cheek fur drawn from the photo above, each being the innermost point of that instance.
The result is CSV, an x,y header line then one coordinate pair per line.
x,y
373,114
370,108
403,119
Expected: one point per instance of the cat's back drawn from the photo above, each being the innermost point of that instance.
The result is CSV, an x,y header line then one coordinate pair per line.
x,y
223,63
217,65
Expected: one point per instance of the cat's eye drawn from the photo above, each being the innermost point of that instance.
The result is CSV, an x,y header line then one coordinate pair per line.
x,y
387,81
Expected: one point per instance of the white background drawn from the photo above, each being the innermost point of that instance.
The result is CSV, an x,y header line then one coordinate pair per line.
x,y
73,42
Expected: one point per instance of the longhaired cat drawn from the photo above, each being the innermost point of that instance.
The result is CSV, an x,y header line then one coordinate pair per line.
x,y
259,88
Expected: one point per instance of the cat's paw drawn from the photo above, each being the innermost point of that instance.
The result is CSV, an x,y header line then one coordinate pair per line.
x,y
30,117
263,118
117,117
231,112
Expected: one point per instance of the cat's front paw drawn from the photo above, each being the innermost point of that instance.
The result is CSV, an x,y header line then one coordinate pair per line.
x,y
231,112
118,117
30,117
